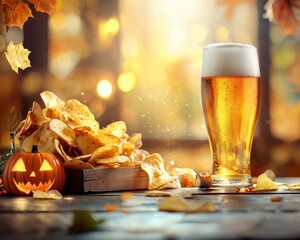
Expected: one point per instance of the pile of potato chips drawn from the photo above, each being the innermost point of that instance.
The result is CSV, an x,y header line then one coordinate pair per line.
x,y
69,130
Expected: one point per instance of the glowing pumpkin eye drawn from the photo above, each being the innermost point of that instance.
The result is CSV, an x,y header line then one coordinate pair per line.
x,y
46,166
19,166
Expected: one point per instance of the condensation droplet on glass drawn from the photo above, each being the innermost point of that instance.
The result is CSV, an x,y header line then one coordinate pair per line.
x,y
82,93
172,163
143,115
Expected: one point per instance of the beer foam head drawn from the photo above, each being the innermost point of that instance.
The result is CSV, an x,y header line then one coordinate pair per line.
x,y
229,59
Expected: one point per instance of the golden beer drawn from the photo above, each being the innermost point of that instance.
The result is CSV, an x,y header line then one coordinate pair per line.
x,y
231,97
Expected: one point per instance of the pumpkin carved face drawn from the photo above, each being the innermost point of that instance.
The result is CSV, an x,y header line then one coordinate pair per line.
x,y
25,172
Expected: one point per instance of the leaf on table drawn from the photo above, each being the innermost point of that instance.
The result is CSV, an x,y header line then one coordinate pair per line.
x,y
45,6
83,221
264,183
16,13
178,204
17,56
51,194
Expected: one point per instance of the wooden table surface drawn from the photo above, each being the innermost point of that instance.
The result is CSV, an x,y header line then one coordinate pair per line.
x,y
238,216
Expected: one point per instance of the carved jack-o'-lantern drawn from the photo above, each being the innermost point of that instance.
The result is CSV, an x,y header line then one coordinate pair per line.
x,y
25,172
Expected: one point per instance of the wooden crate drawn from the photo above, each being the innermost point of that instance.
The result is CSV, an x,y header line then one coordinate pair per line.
x,y
105,180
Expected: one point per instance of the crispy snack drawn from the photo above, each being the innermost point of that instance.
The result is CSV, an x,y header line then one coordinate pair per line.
x,y
264,183
77,164
187,176
104,152
45,136
158,177
69,130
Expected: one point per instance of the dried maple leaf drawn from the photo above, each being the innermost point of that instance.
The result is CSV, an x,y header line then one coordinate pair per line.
x,y
45,6
285,17
16,13
17,56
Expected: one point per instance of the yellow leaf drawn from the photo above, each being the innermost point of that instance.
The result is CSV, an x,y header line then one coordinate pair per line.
x,y
45,6
17,56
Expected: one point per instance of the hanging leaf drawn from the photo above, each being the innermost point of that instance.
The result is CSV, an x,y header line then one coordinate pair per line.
x,y
16,13
45,6
17,56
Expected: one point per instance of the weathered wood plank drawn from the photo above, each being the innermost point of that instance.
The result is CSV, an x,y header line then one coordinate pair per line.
x,y
105,180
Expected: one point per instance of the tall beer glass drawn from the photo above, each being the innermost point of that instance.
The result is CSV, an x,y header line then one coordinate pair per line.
x,y
231,94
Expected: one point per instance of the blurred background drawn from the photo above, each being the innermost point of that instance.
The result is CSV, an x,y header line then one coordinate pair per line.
x,y
139,61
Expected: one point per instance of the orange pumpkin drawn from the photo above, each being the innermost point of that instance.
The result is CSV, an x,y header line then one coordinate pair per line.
x,y
27,171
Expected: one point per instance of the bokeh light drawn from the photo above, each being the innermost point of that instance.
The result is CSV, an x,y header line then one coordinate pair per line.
x,y
126,81
31,83
108,28
104,88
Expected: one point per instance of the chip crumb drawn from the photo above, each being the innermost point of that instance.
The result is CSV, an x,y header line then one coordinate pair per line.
x,y
276,199
126,195
111,207
204,180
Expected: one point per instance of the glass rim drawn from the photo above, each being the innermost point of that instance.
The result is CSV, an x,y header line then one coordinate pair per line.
x,y
228,45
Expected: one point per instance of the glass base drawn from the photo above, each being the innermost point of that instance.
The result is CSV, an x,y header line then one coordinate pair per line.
x,y
231,180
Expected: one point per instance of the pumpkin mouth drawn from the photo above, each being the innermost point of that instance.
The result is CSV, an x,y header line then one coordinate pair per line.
x,y
26,188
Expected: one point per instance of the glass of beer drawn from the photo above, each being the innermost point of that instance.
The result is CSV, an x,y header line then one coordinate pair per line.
x,y
231,95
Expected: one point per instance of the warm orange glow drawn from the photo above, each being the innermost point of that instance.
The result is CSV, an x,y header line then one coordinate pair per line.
x,y
32,174
46,166
108,28
19,166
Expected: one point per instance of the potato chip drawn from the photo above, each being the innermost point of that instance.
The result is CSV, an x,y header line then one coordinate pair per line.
x,y
77,164
117,129
178,204
45,136
104,152
158,177
51,100
45,195
126,148
137,157
136,140
37,116
109,160
61,152
264,183
187,176
88,142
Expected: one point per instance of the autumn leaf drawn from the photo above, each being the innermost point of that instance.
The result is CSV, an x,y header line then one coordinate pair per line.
x,y
45,6
17,56
16,13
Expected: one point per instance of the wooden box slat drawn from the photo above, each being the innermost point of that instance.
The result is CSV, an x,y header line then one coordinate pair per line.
x,y
105,180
